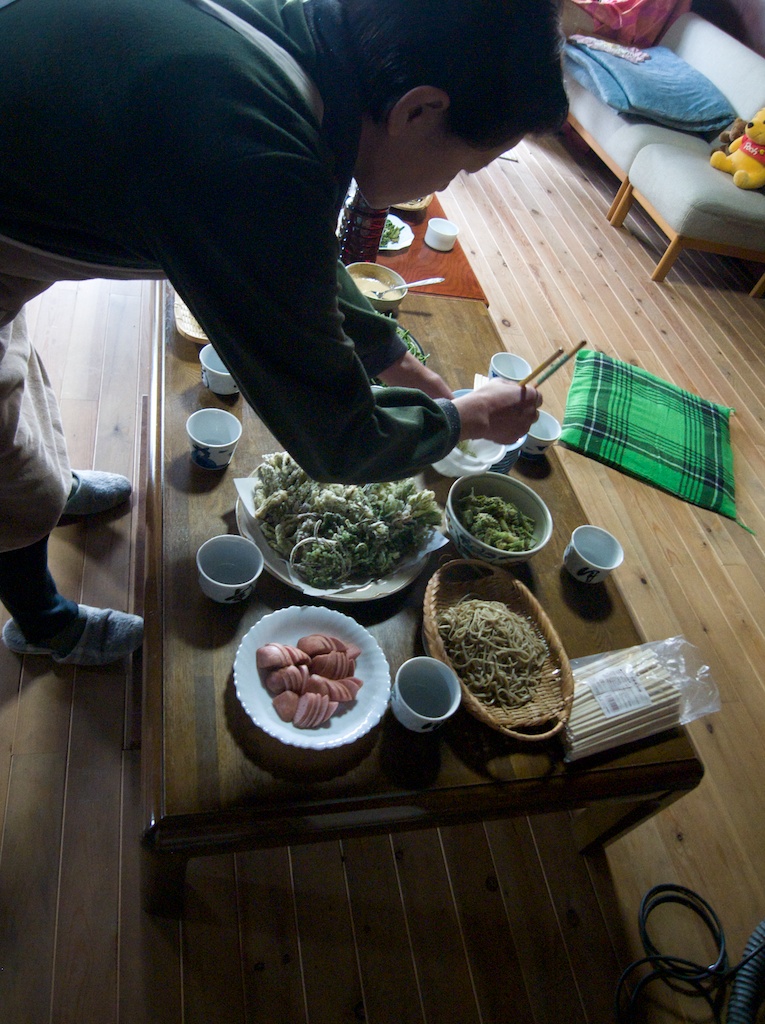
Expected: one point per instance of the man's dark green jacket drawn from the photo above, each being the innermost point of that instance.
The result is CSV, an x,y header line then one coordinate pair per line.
x,y
147,134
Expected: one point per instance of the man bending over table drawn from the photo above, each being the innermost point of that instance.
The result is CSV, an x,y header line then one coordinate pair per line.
x,y
212,142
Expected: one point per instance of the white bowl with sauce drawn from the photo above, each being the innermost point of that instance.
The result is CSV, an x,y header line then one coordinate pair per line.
x,y
373,277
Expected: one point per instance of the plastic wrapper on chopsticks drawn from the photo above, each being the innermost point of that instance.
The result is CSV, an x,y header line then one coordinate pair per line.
x,y
637,692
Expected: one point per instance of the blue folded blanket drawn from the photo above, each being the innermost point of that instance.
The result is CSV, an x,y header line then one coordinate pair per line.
x,y
665,89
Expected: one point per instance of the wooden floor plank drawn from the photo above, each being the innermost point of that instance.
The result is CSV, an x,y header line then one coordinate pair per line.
x,y
29,873
10,685
88,903
381,933
331,981
444,979
149,986
490,944
213,985
273,980
547,971
587,940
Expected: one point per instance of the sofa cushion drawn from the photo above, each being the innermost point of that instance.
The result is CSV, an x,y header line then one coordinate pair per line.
x,y
696,200
737,71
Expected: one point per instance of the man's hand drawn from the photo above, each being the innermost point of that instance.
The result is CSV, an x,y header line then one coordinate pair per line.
x,y
409,372
499,411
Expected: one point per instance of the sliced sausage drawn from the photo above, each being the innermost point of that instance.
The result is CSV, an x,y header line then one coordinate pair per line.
x,y
285,704
334,665
291,677
275,655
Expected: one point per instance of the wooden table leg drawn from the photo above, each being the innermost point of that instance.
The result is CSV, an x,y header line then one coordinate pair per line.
x,y
163,881
601,823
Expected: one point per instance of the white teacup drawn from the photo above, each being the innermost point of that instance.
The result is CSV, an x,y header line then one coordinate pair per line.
x,y
215,376
425,693
228,567
214,434
544,432
509,366
592,553
441,234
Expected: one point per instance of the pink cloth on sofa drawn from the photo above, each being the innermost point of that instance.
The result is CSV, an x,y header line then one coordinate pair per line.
x,y
633,22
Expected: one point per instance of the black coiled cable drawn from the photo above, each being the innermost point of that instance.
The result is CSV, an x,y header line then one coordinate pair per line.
x,y
748,989
691,979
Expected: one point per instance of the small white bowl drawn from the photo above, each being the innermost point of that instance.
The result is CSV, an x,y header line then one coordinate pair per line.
x,y
509,366
509,489
542,435
228,567
371,277
441,234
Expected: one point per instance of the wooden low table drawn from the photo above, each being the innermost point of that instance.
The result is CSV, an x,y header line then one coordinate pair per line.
x,y
419,262
214,782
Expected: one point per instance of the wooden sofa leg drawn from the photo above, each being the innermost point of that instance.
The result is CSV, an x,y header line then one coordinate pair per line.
x,y
671,253
618,198
759,289
621,211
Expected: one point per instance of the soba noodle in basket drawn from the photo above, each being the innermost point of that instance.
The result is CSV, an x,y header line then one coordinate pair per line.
x,y
497,653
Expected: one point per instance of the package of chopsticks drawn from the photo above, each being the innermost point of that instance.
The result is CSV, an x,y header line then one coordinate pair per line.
x,y
628,695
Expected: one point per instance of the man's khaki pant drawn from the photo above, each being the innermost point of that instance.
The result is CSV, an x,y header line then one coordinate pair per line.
x,y
35,475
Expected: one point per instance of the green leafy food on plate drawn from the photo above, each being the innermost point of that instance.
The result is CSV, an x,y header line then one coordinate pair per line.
x,y
333,534
391,233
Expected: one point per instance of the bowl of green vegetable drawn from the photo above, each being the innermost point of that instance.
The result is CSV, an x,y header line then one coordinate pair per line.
x,y
372,278
496,518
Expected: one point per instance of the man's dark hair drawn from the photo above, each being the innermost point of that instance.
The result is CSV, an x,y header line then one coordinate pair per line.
x,y
498,60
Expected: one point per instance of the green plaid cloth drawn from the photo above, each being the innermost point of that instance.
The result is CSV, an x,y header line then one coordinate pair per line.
x,y
642,425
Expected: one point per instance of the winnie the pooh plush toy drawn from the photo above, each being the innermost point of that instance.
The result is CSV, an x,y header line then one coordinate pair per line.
x,y
745,159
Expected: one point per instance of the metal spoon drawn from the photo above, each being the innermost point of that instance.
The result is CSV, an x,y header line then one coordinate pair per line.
x,y
408,284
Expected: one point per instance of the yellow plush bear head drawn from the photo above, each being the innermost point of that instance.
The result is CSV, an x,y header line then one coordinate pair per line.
x,y
746,157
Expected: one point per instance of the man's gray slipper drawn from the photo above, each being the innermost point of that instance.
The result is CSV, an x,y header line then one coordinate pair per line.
x,y
94,491
107,637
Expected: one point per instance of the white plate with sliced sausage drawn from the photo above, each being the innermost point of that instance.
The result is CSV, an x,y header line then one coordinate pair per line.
x,y
312,677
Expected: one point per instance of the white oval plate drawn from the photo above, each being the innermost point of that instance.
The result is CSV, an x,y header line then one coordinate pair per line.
x,y
369,591
459,463
287,626
404,240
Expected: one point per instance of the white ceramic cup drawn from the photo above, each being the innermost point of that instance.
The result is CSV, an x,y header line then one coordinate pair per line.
x,y
509,367
425,693
441,234
228,567
215,376
214,434
592,553
544,432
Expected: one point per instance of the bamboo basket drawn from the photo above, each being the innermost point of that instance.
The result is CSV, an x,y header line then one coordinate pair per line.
x,y
546,714
185,323
415,205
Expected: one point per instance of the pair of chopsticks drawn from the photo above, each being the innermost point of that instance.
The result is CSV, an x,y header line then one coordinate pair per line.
x,y
553,362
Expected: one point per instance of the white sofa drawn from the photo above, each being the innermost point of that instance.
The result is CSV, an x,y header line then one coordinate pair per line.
x,y
668,171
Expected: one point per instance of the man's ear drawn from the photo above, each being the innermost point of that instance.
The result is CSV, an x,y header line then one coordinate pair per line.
x,y
422,108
